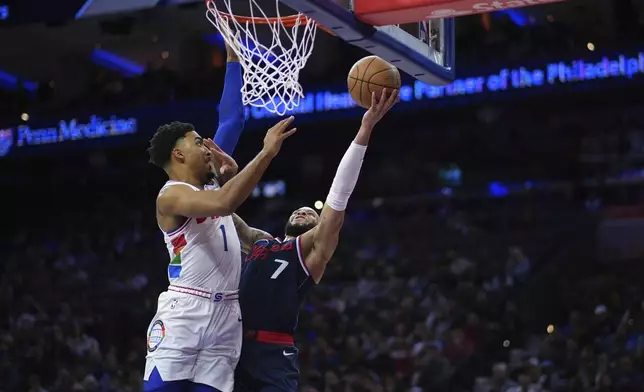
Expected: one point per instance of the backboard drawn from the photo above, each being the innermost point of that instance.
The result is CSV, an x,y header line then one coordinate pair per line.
x,y
423,48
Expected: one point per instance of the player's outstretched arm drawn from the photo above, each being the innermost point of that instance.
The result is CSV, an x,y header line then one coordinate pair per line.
x,y
231,108
319,244
248,235
183,201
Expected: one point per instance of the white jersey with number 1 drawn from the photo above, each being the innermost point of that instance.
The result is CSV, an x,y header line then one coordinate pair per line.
x,y
196,333
204,252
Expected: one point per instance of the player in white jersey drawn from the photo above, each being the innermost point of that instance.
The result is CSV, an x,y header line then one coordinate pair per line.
x,y
194,339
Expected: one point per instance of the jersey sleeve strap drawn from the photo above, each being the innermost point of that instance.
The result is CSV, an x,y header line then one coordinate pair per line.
x,y
298,247
262,241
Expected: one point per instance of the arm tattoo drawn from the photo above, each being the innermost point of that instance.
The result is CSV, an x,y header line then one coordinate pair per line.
x,y
248,235
258,234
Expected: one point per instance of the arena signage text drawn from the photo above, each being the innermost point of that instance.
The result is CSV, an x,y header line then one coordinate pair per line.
x,y
520,78
525,78
72,130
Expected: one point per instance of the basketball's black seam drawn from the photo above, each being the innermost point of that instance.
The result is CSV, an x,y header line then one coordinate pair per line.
x,y
354,85
375,84
376,73
368,65
362,81
351,78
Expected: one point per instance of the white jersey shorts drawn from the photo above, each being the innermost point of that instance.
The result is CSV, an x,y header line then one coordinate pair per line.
x,y
196,335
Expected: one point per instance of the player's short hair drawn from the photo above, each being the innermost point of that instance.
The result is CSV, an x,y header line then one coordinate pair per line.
x,y
164,140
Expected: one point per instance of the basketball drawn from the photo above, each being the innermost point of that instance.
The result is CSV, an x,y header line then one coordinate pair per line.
x,y
371,74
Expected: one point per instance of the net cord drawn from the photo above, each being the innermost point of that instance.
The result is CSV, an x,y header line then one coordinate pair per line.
x,y
271,70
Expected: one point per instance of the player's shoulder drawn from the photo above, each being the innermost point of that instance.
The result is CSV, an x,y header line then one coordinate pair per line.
x,y
173,188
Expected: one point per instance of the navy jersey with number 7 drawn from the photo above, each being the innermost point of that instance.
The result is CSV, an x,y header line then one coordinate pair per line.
x,y
274,282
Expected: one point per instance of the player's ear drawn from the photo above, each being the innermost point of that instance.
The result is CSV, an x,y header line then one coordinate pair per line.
x,y
178,154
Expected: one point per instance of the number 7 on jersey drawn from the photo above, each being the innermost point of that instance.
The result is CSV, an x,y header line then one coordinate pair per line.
x,y
282,266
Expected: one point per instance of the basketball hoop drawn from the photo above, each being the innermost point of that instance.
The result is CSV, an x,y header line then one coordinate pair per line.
x,y
272,67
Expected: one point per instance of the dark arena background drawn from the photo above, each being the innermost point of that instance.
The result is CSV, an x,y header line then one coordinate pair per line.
x,y
494,242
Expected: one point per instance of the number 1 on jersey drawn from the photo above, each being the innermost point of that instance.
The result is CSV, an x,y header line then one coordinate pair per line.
x,y
223,232
282,266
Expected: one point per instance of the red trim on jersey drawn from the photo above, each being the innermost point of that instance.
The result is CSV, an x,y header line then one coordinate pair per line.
x,y
269,337
200,291
299,256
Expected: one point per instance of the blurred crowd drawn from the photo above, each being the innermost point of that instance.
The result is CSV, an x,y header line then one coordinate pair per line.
x,y
471,318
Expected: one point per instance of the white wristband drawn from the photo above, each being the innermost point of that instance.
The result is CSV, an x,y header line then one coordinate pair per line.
x,y
346,177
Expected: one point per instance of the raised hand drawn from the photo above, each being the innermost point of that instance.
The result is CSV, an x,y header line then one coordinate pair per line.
x,y
379,107
277,134
226,164
230,53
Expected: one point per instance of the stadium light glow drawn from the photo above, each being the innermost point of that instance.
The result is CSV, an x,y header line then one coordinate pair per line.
x,y
9,81
517,17
82,9
116,63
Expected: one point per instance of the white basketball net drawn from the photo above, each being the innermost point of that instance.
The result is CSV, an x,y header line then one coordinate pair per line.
x,y
271,69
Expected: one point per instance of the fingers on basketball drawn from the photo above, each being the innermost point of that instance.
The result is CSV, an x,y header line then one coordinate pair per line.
x,y
374,100
394,97
368,77
387,100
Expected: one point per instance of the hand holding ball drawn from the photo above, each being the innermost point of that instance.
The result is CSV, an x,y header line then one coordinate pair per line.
x,y
369,75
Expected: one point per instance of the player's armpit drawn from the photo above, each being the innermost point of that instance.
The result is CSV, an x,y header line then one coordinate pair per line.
x,y
248,235
181,200
319,244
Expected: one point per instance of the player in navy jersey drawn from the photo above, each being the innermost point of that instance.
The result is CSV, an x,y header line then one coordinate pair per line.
x,y
277,274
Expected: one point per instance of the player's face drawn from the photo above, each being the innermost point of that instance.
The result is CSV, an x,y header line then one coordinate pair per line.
x,y
301,220
195,154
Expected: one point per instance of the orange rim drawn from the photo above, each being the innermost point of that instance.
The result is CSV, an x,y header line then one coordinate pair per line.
x,y
287,21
